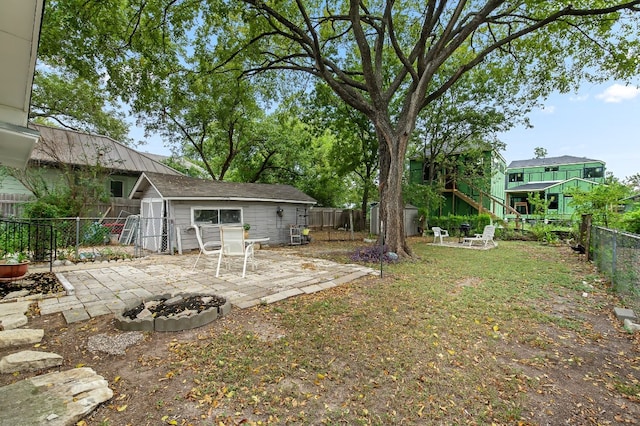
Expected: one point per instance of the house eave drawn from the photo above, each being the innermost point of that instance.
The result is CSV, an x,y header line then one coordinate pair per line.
x,y
16,144
240,199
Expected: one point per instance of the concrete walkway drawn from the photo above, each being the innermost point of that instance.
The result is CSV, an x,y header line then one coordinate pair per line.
x,y
104,288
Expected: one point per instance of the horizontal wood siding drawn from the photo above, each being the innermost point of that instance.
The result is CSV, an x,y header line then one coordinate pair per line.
x,y
261,216
11,185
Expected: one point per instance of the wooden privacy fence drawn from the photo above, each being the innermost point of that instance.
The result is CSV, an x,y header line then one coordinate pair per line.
x,y
12,205
330,218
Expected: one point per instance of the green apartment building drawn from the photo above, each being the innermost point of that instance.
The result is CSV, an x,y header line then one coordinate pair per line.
x,y
550,178
504,192
464,193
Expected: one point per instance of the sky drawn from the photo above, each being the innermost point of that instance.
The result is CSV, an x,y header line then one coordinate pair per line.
x,y
599,122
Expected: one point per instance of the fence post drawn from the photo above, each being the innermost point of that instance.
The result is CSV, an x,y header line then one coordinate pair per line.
x,y
585,234
77,235
613,258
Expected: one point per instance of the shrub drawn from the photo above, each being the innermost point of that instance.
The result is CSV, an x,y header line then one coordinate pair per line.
x,y
96,234
631,221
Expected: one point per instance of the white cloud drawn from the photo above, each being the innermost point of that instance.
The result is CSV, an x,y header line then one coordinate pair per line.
x,y
618,93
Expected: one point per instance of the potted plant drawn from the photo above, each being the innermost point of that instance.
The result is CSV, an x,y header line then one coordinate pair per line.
x,y
246,227
14,266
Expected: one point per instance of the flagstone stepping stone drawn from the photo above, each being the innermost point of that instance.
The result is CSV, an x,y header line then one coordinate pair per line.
x,y
20,336
10,322
29,361
14,308
53,399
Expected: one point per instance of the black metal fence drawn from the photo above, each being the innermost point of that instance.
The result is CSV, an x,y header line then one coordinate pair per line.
x,y
35,240
617,256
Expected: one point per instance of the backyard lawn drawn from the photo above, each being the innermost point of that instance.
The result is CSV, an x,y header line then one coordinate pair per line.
x,y
519,334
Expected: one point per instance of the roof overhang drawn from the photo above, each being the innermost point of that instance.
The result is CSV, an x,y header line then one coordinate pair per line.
x,y
240,199
16,144
533,187
20,22
543,186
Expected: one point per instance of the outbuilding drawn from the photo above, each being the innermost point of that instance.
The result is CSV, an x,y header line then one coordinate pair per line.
x,y
171,205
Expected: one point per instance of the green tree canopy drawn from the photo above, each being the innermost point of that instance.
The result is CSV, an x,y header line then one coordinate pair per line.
x,y
388,59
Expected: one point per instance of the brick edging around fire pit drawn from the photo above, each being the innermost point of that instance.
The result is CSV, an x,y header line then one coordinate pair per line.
x,y
171,323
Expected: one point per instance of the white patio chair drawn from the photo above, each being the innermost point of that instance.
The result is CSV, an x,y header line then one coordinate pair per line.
x,y
208,249
486,237
233,245
439,233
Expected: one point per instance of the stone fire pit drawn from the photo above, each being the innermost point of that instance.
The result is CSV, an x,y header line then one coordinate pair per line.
x,y
172,312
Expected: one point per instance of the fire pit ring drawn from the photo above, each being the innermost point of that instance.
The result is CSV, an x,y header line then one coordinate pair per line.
x,y
149,314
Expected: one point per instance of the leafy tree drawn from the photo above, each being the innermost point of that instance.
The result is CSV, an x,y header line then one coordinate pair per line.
x,y
540,152
603,202
68,90
633,182
382,59
539,205
354,152
389,60
631,220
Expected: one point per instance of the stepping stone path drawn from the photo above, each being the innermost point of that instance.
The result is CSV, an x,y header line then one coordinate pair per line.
x,y
29,361
59,398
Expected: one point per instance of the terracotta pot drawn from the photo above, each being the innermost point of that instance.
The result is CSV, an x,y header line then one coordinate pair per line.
x,y
13,272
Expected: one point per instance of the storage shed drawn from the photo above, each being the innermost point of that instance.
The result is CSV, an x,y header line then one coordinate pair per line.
x,y
410,220
171,205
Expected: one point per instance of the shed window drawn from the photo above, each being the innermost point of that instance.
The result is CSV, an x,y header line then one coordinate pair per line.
x,y
593,172
553,201
551,169
516,177
216,216
117,188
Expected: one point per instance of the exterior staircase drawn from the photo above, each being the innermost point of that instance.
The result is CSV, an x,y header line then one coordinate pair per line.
x,y
478,204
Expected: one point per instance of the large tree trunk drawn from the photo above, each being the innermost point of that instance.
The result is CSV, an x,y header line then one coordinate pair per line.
x,y
392,153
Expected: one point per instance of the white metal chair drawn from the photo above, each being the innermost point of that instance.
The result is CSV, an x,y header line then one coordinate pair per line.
x,y
208,249
486,236
233,245
439,233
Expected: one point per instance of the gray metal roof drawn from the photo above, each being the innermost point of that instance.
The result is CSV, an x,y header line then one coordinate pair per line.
x,y
82,149
188,188
550,161
533,187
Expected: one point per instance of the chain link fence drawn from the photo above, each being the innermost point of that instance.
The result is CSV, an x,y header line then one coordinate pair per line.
x,y
87,238
617,256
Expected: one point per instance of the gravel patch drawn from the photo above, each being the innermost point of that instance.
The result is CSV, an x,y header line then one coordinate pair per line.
x,y
114,344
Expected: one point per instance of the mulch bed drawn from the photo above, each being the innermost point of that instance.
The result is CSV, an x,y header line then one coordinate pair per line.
x,y
44,283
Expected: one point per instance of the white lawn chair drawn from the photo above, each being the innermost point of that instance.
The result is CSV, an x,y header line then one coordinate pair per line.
x,y
233,245
439,233
208,249
486,237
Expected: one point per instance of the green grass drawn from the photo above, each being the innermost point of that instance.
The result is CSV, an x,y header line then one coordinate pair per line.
x,y
424,345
